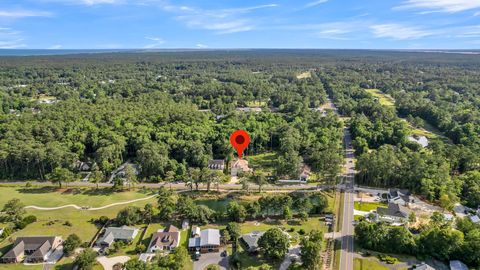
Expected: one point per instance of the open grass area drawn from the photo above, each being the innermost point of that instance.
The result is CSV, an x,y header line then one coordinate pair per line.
x,y
262,162
53,222
49,196
364,264
339,201
304,75
256,103
368,206
383,98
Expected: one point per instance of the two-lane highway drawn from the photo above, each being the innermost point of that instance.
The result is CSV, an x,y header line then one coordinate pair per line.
x,y
347,232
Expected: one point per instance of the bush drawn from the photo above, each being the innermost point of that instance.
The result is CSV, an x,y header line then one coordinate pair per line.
x,y
387,259
301,231
102,220
140,248
30,219
68,223
25,221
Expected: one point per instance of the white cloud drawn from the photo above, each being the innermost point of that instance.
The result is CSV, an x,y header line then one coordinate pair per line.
x,y
398,31
23,13
156,42
221,21
11,39
55,47
201,46
449,6
315,3
98,2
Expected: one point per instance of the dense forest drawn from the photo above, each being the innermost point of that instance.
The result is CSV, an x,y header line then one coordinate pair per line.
x,y
171,111
164,113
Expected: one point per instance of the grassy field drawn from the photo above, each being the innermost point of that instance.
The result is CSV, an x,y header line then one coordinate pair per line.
x,y
256,103
368,206
339,201
304,75
53,222
263,162
52,196
383,98
364,264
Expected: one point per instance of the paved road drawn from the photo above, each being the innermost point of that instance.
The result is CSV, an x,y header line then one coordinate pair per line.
x,y
174,186
346,254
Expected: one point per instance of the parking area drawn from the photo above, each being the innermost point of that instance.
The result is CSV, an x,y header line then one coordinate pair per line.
x,y
211,258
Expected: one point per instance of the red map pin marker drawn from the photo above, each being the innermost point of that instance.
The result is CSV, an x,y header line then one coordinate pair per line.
x,y
240,140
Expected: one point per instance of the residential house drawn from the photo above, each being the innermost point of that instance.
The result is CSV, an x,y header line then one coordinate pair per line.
x,y
458,265
422,140
208,241
185,224
240,166
167,239
249,109
475,219
216,164
399,196
423,266
251,240
394,213
33,249
112,234
82,166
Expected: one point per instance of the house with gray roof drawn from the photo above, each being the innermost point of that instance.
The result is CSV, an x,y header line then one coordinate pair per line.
x,y
216,164
458,265
399,196
395,213
250,240
208,241
424,266
112,234
32,249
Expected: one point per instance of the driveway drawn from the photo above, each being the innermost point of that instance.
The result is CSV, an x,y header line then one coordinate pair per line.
x,y
293,253
211,258
108,263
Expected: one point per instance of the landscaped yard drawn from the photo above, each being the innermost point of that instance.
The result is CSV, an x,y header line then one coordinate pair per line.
x,y
368,206
53,222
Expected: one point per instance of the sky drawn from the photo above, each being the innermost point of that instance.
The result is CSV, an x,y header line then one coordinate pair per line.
x,y
201,24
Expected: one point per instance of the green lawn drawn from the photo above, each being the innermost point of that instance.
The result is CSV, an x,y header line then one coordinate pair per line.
x,y
262,162
254,104
52,222
52,196
383,98
364,264
368,206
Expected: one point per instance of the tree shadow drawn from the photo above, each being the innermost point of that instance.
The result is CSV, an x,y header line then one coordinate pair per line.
x,y
37,190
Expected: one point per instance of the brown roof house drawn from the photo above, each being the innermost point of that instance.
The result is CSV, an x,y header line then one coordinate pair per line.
x,y
32,249
239,166
167,239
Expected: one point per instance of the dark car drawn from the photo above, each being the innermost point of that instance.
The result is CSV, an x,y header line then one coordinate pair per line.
x,y
224,253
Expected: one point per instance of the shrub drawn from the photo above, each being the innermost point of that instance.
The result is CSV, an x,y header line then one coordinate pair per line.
x,y
140,248
68,223
301,231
